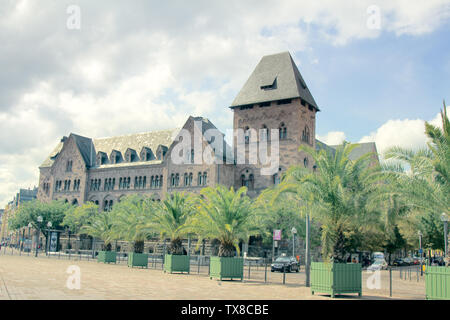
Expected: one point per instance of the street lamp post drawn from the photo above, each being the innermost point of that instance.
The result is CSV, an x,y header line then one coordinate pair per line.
x,y
29,235
39,220
444,219
294,231
421,253
49,225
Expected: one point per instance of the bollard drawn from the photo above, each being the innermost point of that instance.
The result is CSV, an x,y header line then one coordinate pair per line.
x,y
390,282
198,260
284,275
249,266
265,273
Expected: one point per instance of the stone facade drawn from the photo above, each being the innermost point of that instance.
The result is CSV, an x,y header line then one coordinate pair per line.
x,y
274,105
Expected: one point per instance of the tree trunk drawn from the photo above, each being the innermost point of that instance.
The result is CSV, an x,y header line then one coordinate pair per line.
x,y
139,246
176,247
226,250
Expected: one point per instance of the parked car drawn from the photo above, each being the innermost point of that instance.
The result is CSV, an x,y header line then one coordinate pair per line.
x,y
416,260
409,261
285,264
378,265
399,262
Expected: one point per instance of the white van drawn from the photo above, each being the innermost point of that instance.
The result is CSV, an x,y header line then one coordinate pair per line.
x,y
378,256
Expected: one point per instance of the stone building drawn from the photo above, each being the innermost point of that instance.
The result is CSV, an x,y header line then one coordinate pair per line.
x,y
275,109
11,208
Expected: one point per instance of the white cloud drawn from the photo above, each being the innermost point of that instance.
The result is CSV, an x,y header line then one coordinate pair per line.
x,y
149,65
332,138
405,133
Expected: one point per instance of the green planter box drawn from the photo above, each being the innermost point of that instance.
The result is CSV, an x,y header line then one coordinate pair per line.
x,y
106,256
437,283
224,267
138,260
336,278
176,263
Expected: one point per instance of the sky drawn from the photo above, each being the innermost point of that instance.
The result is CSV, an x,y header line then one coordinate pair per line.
x,y
377,69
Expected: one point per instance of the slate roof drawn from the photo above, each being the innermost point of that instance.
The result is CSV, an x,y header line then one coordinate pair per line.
x,y
120,143
359,151
280,71
136,141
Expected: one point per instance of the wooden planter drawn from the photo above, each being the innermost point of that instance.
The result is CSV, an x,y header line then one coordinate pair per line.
x,y
336,278
437,283
176,263
106,256
137,260
225,267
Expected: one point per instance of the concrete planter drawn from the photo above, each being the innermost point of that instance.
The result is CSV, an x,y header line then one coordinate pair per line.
x,y
225,267
106,256
176,263
437,283
336,278
137,260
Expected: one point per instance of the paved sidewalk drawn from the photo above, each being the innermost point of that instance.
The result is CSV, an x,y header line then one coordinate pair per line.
x,y
23,277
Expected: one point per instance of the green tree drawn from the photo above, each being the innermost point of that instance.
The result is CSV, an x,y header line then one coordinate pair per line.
x,y
225,215
132,219
101,226
29,212
172,219
336,195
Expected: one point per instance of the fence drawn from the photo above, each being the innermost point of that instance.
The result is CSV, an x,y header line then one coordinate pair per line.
x,y
399,282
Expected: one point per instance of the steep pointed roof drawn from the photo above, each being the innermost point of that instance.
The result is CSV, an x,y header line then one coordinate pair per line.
x,y
276,77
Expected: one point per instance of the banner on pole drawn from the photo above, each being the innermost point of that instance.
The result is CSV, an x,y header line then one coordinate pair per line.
x,y
277,235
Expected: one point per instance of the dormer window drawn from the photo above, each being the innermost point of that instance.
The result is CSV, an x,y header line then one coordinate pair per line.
x,y
147,154
102,158
131,155
116,157
161,152
271,86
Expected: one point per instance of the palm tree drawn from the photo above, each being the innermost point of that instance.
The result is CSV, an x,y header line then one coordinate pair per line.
x,y
132,216
336,195
101,226
225,215
421,177
171,219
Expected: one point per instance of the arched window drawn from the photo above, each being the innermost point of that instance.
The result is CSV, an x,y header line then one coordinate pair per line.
x,y
160,181
264,134
244,181
200,179
155,181
186,179
190,178
128,182
306,135
177,179
251,184
205,178
306,162
247,135
276,179
282,131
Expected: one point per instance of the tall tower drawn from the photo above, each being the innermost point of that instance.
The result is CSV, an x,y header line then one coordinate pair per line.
x,y
274,97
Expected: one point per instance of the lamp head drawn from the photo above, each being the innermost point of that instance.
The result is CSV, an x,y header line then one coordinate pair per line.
x,y
444,217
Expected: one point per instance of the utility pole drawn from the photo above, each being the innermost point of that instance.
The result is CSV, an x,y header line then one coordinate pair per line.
x,y
307,253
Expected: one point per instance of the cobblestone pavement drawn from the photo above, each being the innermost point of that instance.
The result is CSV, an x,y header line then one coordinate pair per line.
x,y
25,277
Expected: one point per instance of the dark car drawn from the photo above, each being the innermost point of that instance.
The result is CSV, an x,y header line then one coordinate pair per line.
x,y
400,262
285,264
